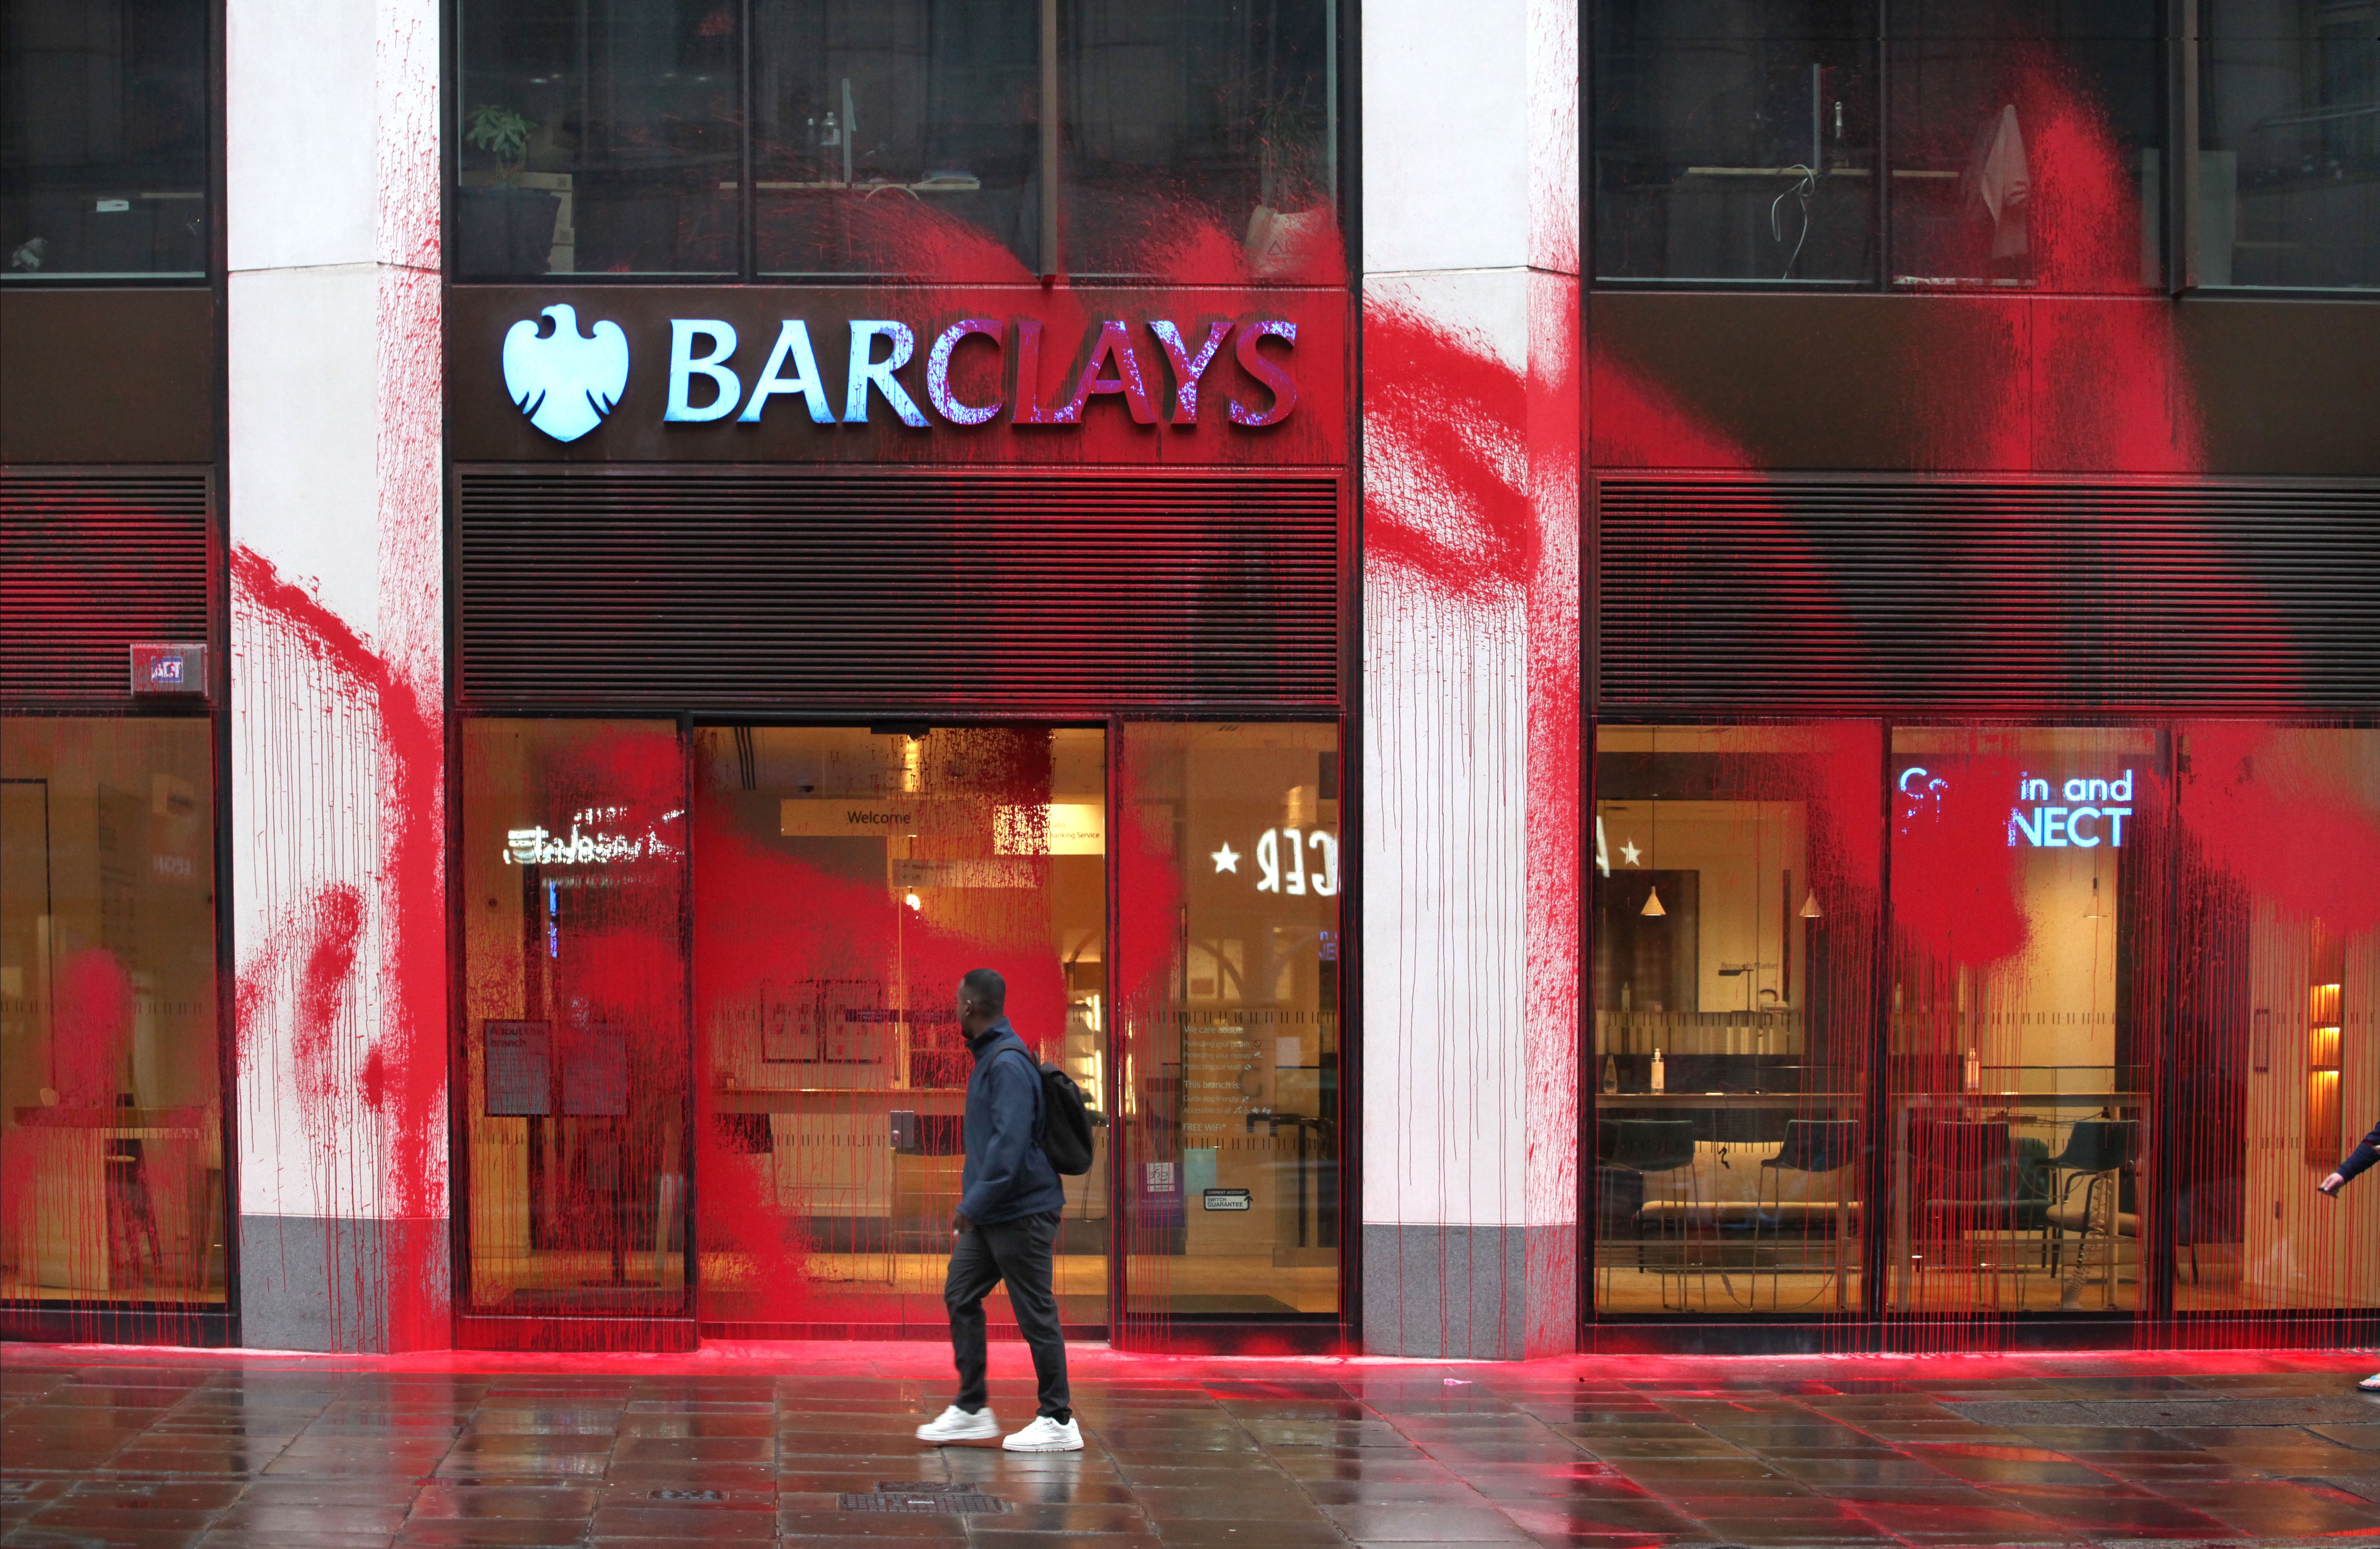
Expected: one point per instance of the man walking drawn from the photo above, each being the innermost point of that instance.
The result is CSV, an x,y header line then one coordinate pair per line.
x,y
2356,1163
1005,1229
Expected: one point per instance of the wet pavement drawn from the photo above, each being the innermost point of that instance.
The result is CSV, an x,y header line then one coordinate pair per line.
x,y
811,1445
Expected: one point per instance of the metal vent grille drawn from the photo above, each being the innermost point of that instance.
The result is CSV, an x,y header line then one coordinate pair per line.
x,y
921,1499
1843,595
90,562
758,589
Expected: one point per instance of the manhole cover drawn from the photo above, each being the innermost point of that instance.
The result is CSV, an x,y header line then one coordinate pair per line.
x,y
928,1500
688,1496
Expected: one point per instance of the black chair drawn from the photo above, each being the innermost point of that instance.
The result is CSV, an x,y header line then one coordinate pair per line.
x,y
1964,1179
2098,1154
1655,1145
1812,1146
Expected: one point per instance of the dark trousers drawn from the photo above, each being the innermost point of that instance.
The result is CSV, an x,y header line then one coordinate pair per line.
x,y
1020,1253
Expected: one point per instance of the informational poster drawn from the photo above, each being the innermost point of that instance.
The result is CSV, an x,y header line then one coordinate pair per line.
x,y
594,1071
1222,1079
520,1068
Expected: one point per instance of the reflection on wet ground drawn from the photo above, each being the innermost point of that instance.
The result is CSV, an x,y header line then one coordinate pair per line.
x,y
811,1443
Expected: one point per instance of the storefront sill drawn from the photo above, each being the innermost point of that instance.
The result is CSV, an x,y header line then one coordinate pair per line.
x,y
656,1334
53,1323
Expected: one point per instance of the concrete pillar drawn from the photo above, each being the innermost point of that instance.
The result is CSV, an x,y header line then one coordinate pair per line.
x,y
1471,692
337,672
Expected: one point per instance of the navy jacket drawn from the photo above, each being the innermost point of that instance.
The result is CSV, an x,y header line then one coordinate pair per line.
x,y
1006,1177
2363,1156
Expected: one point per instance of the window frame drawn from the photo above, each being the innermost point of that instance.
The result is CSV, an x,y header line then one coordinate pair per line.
x,y
1343,82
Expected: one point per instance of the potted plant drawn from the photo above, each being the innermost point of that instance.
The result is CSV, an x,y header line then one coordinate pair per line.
x,y
504,228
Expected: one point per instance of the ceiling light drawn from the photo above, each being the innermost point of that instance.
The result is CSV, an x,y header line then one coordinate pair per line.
x,y
1652,904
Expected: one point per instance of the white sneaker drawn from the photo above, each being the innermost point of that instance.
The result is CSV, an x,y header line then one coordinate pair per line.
x,y
2369,1383
954,1425
1046,1434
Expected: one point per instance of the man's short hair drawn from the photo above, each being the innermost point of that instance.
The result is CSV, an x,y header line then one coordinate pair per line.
x,y
987,989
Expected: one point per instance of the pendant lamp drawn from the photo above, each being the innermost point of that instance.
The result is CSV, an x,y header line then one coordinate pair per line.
x,y
1810,906
1652,904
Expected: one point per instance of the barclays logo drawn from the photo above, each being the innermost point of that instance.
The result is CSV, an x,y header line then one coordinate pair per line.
x,y
565,382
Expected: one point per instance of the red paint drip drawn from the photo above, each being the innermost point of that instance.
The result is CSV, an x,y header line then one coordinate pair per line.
x,y
402,1079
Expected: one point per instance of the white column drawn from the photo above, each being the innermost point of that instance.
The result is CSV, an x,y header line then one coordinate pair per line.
x,y
1471,708
337,671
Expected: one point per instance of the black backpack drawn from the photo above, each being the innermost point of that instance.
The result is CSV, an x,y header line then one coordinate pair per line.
x,y
1067,1120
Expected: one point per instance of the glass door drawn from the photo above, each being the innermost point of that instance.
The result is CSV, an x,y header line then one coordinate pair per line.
x,y
848,876
1229,878
575,1041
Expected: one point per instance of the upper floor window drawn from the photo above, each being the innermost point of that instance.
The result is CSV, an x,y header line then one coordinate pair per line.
x,y
2289,158
1985,143
966,140
105,130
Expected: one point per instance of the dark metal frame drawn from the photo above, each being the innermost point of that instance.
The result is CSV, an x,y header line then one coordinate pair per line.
x,y
1876,1326
115,1323
1049,257
2180,83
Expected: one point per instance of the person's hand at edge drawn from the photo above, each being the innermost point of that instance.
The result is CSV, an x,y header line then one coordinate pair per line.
x,y
2332,1184
960,1224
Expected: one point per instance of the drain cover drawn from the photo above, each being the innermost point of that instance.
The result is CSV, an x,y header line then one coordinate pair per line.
x,y
929,1499
688,1496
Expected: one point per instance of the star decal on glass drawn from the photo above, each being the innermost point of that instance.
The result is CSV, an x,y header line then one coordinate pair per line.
x,y
1227,859
1628,852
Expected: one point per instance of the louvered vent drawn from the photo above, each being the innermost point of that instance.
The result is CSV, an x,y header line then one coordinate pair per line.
x,y
1813,596
90,562
893,589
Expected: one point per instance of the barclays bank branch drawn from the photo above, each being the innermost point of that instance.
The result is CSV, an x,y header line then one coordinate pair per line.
x,y
1592,722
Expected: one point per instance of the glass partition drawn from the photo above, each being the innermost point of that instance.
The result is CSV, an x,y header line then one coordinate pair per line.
x,y
848,876
2026,977
2280,885
110,1114
105,129
1735,917
1230,876
573,1087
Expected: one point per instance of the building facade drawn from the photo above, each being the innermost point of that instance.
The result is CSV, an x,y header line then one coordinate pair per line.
x,y
1622,676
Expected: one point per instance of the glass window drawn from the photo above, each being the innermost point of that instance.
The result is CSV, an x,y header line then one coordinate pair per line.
x,y
1735,918
598,137
111,1116
2024,143
2288,160
103,135
2025,997
1229,879
849,878
2276,1083
932,139
1734,142
576,1057
1740,142
1190,124
896,138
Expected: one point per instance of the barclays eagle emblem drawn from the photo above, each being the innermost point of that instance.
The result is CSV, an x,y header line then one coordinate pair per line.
x,y
565,382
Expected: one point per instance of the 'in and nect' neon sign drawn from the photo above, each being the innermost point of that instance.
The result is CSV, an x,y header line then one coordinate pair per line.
x,y
2062,817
